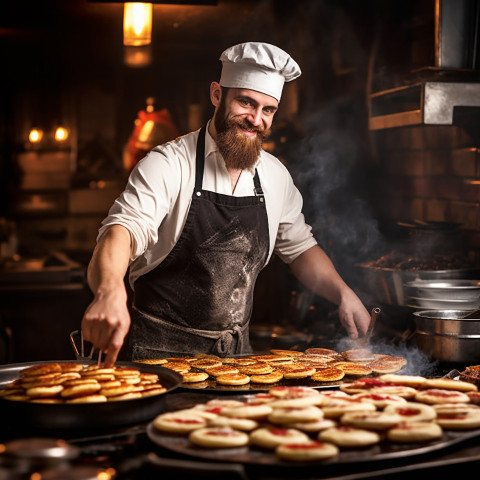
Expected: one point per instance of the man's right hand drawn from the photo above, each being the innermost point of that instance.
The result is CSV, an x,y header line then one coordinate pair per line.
x,y
106,322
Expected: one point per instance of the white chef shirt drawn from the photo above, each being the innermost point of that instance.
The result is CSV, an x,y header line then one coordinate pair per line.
x,y
155,203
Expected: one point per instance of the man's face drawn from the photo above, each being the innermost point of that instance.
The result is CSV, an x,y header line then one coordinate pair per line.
x,y
242,122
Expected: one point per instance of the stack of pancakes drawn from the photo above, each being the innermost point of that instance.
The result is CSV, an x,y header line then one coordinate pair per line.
x,y
76,383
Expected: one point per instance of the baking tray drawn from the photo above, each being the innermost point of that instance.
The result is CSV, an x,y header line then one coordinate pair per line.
x,y
252,455
83,416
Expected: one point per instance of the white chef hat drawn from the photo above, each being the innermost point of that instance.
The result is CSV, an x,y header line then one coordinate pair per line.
x,y
258,66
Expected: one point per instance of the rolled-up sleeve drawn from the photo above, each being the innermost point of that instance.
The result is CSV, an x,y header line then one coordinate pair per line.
x,y
294,235
151,190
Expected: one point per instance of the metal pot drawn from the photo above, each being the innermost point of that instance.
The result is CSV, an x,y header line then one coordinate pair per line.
x,y
389,284
445,336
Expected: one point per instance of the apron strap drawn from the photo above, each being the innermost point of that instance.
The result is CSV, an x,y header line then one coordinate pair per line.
x,y
200,160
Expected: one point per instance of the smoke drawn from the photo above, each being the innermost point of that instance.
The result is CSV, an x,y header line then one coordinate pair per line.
x,y
336,189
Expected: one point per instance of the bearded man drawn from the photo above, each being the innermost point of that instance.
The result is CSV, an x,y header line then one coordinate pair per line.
x,y
200,217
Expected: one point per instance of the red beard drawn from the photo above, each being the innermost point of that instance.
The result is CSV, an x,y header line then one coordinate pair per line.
x,y
238,150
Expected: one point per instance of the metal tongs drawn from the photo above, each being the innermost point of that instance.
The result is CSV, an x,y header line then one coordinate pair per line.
x,y
76,339
362,342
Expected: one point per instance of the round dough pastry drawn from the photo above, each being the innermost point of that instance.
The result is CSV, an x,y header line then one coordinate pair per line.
x,y
179,422
270,437
295,400
462,419
248,410
281,391
295,414
306,451
414,381
370,420
243,424
414,432
336,407
399,390
380,400
347,436
450,384
314,426
218,437
412,411
438,395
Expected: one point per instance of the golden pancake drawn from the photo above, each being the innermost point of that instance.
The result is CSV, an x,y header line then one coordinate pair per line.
x,y
179,367
221,370
41,369
87,399
290,353
203,363
152,361
256,368
125,396
233,379
329,374
192,377
267,378
44,391
80,390
356,369
116,390
359,355
321,351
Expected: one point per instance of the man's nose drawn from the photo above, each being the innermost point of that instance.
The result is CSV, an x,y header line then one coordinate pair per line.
x,y
255,117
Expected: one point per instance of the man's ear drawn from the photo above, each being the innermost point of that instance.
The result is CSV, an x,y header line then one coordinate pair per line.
x,y
215,93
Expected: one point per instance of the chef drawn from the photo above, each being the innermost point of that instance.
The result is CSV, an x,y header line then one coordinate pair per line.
x,y
199,218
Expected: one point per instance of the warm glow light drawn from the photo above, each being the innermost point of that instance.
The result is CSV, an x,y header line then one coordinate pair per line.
x,y
137,24
61,134
35,135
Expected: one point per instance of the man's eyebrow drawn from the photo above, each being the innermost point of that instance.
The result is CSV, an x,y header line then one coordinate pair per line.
x,y
254,102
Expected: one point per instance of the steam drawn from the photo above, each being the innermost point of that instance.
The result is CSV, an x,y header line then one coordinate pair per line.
x,y
418,363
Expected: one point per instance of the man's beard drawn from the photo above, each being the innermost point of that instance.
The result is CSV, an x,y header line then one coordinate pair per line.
x,y
238,150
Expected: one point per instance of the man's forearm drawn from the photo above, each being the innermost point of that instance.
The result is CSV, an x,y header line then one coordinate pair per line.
x,y
316,271
110,260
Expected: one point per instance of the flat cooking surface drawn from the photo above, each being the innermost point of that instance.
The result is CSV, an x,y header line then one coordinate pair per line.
x,y
255,455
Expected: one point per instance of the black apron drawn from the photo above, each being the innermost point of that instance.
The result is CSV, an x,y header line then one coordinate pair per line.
x,y
199,299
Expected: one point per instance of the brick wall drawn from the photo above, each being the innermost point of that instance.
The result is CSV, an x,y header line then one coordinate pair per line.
x,y
430,173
